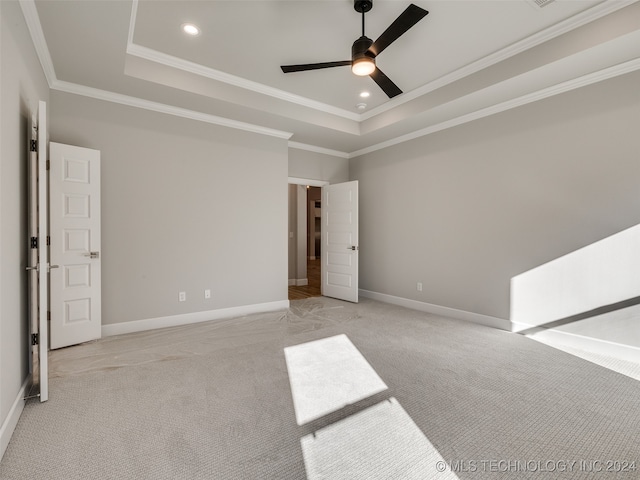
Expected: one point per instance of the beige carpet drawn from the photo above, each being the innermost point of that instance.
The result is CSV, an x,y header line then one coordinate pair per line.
x,y
213,401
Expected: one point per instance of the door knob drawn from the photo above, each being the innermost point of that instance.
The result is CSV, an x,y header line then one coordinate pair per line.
x,y
92,254
352,247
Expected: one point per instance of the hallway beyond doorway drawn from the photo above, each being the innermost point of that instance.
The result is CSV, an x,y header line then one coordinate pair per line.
x,y
312,289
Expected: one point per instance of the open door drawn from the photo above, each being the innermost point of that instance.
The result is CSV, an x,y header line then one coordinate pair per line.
x,y
38,259
340,241
74,182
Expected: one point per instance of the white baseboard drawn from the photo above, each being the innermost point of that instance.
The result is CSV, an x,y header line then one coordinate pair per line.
x,y
9,424
298,282
589,344
188,318
486,320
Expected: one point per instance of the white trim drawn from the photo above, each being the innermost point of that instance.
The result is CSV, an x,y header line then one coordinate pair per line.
x,y
189,318
578,20
33,23
594,345
478,318
313,148
556,30
30,13
132,22
588,79
307,182
163,108
298,282
207,72
9,424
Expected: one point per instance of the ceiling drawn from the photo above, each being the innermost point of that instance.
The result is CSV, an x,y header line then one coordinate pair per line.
x,y
465,60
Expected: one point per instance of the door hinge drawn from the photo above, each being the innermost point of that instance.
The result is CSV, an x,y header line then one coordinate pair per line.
x,y
48,165
34,242
48,240
33,145
48,315
35,340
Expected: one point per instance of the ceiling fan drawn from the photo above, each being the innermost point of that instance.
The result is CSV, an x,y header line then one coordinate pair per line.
x,y
364,50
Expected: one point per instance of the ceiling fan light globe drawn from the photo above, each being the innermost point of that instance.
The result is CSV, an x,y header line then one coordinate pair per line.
x,y
363,66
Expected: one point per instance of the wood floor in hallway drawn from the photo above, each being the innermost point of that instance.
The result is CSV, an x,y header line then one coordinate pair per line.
x,y
313,288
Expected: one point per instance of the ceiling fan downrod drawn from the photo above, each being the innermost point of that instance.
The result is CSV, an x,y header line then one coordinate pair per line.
x,y
362,6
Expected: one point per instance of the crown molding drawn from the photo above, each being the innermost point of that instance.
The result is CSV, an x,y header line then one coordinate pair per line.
x,y
590,15
560,28
315,149
582,81
34,26
132,22
212,74
127,100
37,35
30,13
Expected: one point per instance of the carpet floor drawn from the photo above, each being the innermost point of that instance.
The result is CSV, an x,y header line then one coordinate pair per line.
x,y
214,401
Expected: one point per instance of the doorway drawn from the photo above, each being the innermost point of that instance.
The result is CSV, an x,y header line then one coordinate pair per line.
x,y
323,240
305,211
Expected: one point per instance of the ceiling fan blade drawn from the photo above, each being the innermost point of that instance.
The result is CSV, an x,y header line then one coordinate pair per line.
x,y
313,66
407,19
390,88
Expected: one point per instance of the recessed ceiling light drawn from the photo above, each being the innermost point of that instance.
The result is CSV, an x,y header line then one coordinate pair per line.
x,y
364,94
190,29
361,106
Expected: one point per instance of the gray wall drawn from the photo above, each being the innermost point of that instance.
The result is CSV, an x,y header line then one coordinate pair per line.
x,y
186,206
22,85
466,209
318,166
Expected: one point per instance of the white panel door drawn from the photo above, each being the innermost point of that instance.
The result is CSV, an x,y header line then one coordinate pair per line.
x,y
340,241
38,259
74,180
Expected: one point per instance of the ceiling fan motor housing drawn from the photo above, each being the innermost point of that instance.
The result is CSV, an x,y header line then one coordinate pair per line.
x,y
360,48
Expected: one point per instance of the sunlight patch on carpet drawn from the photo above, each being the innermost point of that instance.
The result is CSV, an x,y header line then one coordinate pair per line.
x,y
380,442
327,375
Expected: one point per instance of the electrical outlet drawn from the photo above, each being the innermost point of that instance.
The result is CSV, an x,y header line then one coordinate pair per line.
x,y
207,293
419,286
182,296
